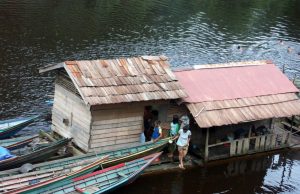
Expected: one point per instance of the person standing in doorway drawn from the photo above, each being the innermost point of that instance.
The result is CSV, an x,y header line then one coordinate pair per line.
x,y
184,137
148,118
174,126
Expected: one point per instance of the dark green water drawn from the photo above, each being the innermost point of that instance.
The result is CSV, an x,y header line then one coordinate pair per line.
x,y
268,174
34,33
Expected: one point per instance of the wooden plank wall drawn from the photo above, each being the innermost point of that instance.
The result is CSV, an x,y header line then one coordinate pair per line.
x,y
116,127
174,109
198,135
68,105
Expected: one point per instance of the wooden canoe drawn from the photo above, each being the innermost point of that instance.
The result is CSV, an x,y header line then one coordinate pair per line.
x,y
45,171
10,127
18,142
115,157
37,155
101,181
22,180
62,178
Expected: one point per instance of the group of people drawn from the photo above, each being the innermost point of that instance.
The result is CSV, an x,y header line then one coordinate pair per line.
x,y
179,131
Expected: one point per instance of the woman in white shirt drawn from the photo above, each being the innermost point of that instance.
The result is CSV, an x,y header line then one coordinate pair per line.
x,y
184,137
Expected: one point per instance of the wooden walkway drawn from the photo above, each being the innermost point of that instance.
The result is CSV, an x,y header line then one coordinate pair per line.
x,y
294,139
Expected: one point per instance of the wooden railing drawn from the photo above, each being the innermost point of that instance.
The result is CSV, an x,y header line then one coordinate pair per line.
x,y
248,145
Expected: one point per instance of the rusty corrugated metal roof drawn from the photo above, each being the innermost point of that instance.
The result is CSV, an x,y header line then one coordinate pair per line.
x,y
124,80
225,94
227,112
238,113
224,83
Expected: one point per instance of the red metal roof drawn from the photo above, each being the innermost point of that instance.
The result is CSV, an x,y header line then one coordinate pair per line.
x,y
210,84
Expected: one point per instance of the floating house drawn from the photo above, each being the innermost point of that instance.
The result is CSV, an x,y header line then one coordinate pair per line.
x,y
101,103
237,107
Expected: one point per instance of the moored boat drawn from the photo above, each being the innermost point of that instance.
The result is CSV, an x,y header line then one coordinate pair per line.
x,y
115,157
18,181
10,127
34,154
80,171
18,142
31,179
101,181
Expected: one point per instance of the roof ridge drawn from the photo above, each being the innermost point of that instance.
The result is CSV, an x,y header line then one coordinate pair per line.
x,y
224,65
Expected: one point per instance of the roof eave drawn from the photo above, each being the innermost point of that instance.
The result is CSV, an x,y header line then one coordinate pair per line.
x,y
51,67
76,85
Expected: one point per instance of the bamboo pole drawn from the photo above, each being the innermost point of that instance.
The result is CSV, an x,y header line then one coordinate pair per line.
x,y
44,134
72,149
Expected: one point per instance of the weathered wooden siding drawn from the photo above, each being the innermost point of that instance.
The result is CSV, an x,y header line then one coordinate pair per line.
x,y
116,127
68,105
174,109
105,127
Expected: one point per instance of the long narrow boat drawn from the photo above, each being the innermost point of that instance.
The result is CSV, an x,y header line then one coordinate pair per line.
x,y
83,170
18,142
40,153
10,127
9,185
101,181
44,171
115,157
23,180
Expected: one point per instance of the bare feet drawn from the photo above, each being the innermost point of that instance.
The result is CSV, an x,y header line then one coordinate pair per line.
x,y
181,166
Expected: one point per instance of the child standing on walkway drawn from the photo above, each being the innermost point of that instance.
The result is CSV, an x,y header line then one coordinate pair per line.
x,y
157,132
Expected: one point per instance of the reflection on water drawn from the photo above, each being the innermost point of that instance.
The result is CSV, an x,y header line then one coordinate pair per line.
x,y
35,33
268,174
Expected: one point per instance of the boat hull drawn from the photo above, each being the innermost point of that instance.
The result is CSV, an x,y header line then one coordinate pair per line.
x,y
128,180
35,156
116,157
16,143
11,180
125,173
12,130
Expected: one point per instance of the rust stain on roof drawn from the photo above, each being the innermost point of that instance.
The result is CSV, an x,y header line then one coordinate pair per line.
x,y
227,112
124,80
225,94
225,83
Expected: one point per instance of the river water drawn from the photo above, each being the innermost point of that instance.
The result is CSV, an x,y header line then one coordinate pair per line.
x,y
267,174
34,33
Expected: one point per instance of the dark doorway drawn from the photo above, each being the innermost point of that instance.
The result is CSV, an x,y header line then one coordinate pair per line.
x,y
150,116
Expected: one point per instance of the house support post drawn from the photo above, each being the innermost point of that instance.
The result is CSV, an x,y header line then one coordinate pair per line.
x,y
206,145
